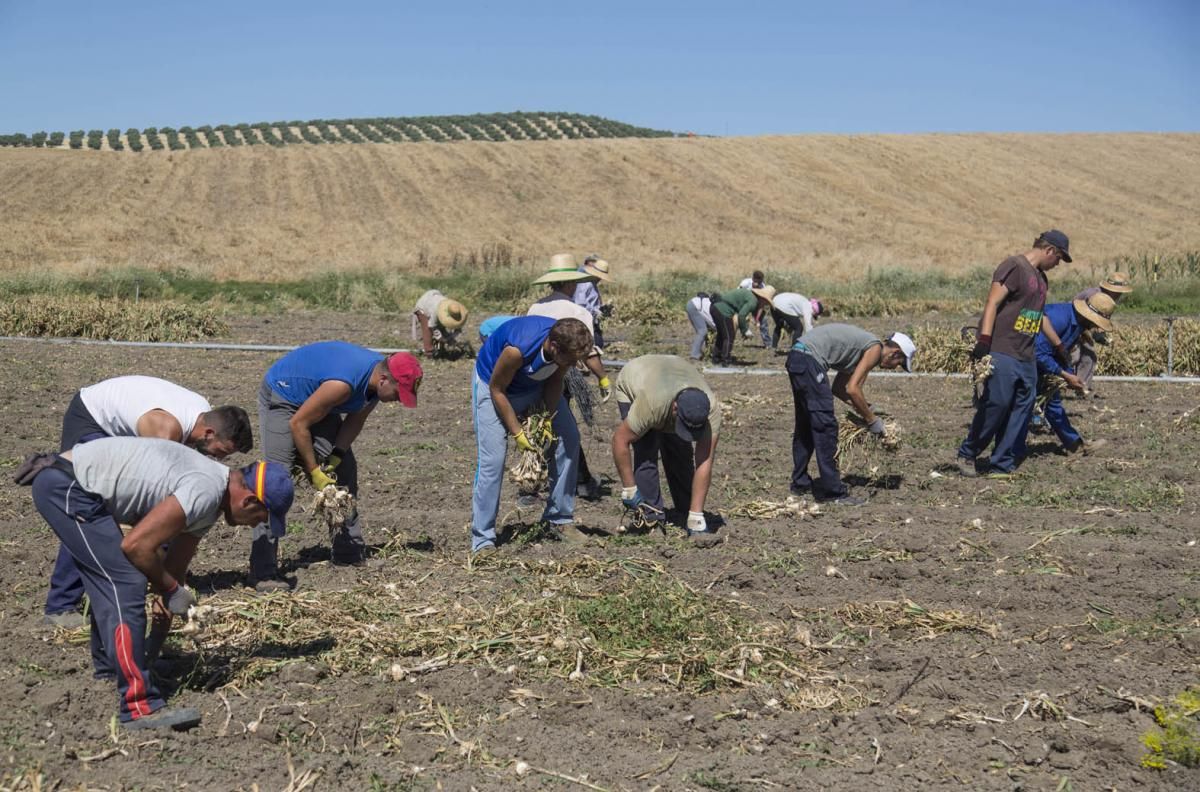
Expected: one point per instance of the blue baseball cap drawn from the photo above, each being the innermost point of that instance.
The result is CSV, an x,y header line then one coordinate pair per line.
x,y
271,484
691,413
1060,241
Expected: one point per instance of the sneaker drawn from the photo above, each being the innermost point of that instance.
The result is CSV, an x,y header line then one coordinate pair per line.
x,y
178,718
1092,445
843,500
71,620
271,584
966,467
484,551
704,539
570,533
801,492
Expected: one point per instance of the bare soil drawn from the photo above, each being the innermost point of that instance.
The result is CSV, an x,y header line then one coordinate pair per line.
x,y
1079,576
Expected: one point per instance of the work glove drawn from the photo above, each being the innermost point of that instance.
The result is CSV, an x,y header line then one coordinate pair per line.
x,y
179,599
606,310
631,498
1100,337
876,427
523,442
982,347
333,460
320,479
605,389
696,521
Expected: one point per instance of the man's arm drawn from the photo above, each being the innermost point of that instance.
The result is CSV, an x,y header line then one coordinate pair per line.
x,y
352,426
996,295
160,525
322,402
426,333
848,386
706,449
505,369
159,423
622,451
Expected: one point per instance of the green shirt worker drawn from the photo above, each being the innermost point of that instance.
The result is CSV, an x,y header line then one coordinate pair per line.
x,y
668,411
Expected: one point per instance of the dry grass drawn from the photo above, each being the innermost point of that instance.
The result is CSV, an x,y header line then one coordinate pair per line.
x,y
822,205
89,317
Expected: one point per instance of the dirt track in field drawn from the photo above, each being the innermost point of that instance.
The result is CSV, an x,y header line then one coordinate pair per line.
x,y
1079,576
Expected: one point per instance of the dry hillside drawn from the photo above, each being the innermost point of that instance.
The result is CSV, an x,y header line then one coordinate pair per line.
x,y
826,204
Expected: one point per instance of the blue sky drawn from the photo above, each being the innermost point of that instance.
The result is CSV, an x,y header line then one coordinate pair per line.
x,y
735,68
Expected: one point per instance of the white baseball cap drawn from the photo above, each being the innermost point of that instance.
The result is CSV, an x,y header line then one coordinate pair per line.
x,y
906,346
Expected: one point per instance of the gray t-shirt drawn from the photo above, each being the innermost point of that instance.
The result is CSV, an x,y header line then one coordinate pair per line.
x,y
135,474
839,347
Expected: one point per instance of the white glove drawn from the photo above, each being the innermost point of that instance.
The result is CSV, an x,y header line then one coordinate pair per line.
x,y
876,427
696,521
437,335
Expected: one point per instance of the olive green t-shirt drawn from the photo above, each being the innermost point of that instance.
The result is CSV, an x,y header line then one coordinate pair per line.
x,y
650,383
838,346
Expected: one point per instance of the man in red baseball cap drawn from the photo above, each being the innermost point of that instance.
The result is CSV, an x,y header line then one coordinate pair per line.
x,y
312,405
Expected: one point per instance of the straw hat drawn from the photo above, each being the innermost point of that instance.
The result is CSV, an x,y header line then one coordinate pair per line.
x,y
451,314
1117,283
563,270
1097,309
766,292
597,268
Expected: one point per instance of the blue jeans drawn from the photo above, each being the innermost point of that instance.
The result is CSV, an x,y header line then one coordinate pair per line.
x,y
1003,412
699,330
1056,416
491,442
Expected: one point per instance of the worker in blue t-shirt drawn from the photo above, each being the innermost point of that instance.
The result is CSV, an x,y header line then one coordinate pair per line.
x,y
312,405
521,366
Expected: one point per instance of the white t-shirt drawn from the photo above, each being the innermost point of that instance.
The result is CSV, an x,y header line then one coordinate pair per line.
x,y
794,304
135,474
748,283
703,304
428,305
118,403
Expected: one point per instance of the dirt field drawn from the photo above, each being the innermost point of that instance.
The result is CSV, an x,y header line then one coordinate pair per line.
x,y
953,633
822,205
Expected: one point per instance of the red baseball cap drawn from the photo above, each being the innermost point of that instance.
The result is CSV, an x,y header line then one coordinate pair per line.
x,y
406,370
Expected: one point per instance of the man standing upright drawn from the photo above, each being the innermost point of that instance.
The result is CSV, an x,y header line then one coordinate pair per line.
x,y
588,294
137,406
312,405
1012,318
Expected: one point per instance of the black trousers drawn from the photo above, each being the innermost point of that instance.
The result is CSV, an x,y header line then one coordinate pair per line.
x,y
816,429
678,461
723,346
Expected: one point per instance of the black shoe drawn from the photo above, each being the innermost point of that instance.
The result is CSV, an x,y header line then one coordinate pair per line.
x,y
268,585
178,718
801,492
349,558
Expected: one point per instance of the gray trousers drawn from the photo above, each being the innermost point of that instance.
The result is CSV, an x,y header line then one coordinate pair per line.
x,y
1083,360
275,438
699,330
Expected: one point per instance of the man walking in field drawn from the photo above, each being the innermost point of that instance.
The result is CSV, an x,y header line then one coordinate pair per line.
x,y
171,495
312,405
1012,318
521,367
137,406
853,353
668,411
437,321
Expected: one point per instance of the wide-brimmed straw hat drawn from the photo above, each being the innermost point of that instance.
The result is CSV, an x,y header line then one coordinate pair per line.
x,y
1097,309
1117,283
766,292
596,268
563,269
451,314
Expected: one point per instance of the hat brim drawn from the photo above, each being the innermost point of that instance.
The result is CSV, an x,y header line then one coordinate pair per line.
x,y
407,397
574,276
595,273
763,295
1065,256
1085,310
446,318
687,433
278,523
1109,287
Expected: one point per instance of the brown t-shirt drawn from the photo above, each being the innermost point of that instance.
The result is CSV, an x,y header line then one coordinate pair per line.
x,y
1019,317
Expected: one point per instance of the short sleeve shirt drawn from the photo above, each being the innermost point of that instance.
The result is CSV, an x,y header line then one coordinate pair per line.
x,y
838,346
649,384
298,374
134,474
118,403
1019,317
